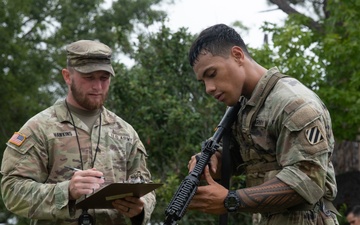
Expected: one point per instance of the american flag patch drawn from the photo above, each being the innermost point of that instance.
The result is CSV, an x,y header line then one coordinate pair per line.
x,y
17,139
314,135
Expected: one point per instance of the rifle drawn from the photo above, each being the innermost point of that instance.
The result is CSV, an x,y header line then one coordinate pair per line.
x,y
188,187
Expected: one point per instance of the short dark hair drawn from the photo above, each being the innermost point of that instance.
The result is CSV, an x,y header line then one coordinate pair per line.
x,y
218,40
354,209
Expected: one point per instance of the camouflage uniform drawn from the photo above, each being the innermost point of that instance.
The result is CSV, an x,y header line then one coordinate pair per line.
x,y
291,139
35,181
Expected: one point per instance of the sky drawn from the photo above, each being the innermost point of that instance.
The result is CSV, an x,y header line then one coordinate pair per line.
x,y
197,15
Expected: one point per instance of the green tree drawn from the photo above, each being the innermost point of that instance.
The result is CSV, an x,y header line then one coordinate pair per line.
x,y
321,49
34,33
161,98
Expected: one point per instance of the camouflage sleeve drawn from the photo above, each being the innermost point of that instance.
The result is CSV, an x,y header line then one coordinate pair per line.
x,y
22,186
136,163
303,150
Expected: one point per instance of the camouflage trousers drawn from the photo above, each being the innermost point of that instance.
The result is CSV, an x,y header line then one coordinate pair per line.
x,y
295,218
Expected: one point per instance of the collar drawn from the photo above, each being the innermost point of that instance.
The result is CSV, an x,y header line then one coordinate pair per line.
x,y
260,86
63,114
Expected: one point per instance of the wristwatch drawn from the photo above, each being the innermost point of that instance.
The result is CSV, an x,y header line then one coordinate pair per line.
x,y
232,201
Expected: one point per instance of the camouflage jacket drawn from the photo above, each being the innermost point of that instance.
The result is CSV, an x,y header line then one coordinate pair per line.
x,y
291,138
35,181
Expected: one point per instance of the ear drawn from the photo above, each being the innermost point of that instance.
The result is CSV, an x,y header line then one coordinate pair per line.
x,y
238,54
66,75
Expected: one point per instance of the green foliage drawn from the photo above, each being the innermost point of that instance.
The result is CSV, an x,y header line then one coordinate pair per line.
x,y
168,102
35,33
169,108
324,59
341,48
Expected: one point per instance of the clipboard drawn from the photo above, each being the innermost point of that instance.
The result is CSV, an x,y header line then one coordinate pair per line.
x,y
102,198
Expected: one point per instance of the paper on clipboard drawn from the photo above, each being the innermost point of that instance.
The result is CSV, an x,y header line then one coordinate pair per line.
x,y
102,198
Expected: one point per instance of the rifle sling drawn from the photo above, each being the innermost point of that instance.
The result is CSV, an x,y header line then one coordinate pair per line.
x,y
225,170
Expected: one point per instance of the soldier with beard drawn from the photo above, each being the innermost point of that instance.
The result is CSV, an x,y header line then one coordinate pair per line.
x,y
76,132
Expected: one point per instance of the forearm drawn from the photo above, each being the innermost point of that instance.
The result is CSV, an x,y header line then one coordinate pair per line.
x,y
33,200
269,196
149,205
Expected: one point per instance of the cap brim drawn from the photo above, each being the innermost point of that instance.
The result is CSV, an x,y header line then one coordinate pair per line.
x,y
89,68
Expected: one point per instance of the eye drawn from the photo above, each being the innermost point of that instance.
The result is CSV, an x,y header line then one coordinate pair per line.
x,y
88,77
213,74
105,78
210,73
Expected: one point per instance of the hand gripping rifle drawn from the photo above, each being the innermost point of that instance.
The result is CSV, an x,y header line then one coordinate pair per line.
x,y
188,186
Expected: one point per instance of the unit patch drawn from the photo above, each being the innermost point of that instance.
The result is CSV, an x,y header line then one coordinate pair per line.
x,y
314,135
17,139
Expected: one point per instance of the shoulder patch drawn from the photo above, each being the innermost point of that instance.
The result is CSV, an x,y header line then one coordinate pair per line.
x,y
293,105
302,117
314,135
17,139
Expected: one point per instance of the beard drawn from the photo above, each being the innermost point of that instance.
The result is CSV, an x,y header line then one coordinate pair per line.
x,y
84,101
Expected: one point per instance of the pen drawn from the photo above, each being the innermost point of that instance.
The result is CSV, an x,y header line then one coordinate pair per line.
x,y
76,169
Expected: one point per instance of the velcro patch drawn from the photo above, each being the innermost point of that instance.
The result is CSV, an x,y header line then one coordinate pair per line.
x,y
259,122
17,139
314,135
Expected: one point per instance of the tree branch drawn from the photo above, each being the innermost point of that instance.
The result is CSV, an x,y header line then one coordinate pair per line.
x,y
286,8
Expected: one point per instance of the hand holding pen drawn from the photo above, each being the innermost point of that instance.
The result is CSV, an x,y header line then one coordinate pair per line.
x,y
84,182
76,169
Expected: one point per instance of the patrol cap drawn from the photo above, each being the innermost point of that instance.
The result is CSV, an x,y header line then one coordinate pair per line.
x,y
87,56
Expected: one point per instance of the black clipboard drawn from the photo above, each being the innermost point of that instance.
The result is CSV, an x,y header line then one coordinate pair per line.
x,y
102,198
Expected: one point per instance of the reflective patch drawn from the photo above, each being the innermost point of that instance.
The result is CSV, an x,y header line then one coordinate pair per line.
x,y
17,139
314,135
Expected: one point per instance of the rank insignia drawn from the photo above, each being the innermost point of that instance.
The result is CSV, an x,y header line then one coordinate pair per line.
x,y
314,135
17,139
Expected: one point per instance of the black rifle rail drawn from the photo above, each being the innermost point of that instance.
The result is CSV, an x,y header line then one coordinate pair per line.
x,y
188,187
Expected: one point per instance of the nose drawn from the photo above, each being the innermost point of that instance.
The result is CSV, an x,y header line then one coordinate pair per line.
x,y
210,87
96,84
